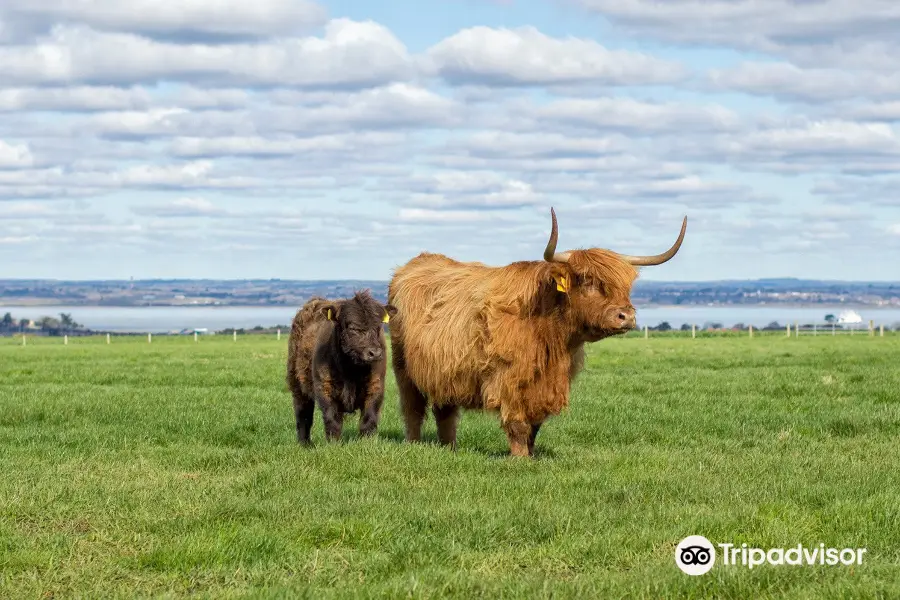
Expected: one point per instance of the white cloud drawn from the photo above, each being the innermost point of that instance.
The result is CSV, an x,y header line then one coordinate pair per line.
x,y
815,33
685,188
280,145
184,207
635,116
167,18
351,53
860,193
79,98
426,215
155,121
798,145
58,182
202,98
25,210
525,56
15,156
875,111
391,106
823,137
468,190
15,240
808,85
509,144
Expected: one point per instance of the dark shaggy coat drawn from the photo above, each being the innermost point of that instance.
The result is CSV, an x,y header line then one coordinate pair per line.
x,y
337,360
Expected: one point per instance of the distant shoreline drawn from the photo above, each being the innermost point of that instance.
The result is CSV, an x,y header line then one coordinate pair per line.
x,y
804,305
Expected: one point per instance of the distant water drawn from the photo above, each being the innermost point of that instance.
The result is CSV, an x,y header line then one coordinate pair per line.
x,y
160,319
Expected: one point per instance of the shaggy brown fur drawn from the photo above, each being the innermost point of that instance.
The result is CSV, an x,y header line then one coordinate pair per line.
x,y
501,338
336,359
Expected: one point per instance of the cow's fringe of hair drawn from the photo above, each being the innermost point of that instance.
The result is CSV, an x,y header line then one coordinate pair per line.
x,y
605,265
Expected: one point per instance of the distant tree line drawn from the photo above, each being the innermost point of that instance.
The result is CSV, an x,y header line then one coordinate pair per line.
x,y
63,325
773,326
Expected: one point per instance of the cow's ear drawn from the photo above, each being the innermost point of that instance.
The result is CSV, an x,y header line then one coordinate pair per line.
x,y
331,311
562,279
389,311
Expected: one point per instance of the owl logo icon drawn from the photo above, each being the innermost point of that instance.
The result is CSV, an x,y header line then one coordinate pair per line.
x,y
695,555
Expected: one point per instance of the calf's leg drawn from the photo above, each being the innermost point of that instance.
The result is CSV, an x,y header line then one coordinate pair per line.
x,y
333,419
371,412
303,413
303,404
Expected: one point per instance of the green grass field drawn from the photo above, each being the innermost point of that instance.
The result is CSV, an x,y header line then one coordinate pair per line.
x,y
170,469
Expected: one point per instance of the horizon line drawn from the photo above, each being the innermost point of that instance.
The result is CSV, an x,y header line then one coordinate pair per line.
x,y
385,281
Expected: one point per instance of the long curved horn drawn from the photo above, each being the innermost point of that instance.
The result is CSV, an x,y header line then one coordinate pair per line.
x,y
658,259
550,254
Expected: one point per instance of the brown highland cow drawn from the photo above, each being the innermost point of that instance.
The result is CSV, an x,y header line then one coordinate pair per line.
x,y
337,359
508,339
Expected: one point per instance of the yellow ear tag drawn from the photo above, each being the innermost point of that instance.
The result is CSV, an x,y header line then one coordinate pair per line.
x,y
561,284
386,318
328,315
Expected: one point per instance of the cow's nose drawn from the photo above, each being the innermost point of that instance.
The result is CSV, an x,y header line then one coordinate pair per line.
x,y
626,318
372,354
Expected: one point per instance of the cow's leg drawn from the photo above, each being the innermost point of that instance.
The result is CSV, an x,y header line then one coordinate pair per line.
x,y
412,400
518,433
413,405
446,418
513,417
534,431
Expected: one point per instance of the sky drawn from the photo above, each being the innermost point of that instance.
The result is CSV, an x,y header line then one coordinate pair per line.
x,y
302,139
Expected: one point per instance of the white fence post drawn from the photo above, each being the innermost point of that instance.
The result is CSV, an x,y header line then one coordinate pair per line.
x,y
279,334
881,330
149,338
796,329
195,336
235,335
871,328
789,330
646,332
693,331
65,340
751,331
107,338
832,329
815,329
24,343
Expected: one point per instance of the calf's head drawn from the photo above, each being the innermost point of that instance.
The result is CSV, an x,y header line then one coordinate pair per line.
x,y
598,284
358,322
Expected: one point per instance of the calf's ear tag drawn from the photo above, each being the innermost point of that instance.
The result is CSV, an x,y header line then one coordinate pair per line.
x,y
561,284
386,318
328,314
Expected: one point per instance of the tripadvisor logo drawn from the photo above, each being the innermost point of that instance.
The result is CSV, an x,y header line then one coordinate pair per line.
x,y
696,555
